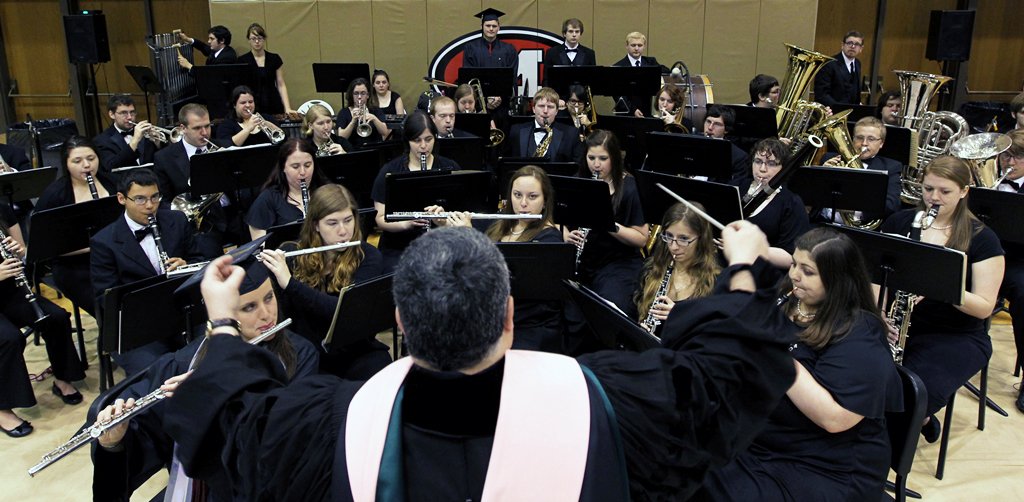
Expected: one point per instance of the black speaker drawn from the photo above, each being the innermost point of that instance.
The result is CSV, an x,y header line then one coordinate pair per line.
x,y
949,35
87,37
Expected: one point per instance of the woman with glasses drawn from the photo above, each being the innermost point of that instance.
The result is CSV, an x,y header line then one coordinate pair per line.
x,y
357,113
383,98
687,246
271,90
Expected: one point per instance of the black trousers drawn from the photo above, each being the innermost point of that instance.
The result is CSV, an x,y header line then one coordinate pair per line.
x,y
71,276
1013,291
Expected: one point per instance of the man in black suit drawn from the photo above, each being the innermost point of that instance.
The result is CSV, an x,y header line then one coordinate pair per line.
x,y
569,53
217,48
564,145
839,80
1012,160
718,123
442,111
868,138
124,143
638,106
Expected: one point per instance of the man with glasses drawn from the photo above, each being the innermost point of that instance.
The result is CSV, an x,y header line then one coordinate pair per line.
x,y
868,138
127,251
124,143
839,80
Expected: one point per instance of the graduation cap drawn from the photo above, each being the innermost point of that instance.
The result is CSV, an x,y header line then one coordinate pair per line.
x,y
489,14
244,256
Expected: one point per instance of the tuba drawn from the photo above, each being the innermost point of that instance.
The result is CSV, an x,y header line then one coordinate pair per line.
x,y
978,151
195,209
794,114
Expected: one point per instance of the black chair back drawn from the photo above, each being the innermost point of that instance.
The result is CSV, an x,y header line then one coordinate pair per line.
x,y
905,427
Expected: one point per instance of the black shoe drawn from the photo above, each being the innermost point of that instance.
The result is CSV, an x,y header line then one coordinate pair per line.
x,y
75,398
931,430
1020,399
20,431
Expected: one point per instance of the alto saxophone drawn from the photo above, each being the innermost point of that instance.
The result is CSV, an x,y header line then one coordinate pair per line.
x,y
902,304
21,281
650,322
162,257
92,186
542,148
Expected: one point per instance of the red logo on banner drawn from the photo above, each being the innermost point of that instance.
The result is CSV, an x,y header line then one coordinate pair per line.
x,y
530,44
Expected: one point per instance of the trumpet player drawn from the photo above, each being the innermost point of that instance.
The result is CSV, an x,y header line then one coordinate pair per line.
x,y
670,104
318,127
126,142
563,144
243,126
357,122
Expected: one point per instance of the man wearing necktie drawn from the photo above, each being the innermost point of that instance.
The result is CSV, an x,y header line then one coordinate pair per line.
x,y
124,143
838,82
564,144
571,52
636,42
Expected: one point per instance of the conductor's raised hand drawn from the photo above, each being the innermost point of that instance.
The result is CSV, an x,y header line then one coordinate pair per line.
x,y
220,287
743,242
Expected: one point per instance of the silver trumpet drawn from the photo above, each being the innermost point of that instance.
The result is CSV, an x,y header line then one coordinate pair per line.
x,y
162,254
304,188
363,127
142,404
92,186
192,268
161,135
275,133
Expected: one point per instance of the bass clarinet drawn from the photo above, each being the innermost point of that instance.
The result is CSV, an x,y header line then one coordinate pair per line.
x,y
650,322
21,280
903,302
92,186
162,254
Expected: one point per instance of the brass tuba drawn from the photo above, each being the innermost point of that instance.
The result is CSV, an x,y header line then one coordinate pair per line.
x,y
978,151
796,115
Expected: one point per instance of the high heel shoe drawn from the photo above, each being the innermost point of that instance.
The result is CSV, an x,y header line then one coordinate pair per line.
x,y
75,398
20,431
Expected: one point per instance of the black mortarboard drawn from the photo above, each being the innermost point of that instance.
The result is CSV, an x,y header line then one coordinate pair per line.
x,y
240,256
489,14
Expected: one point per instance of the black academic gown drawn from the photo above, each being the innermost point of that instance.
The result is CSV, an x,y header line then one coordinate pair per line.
x,y
114,152
679,413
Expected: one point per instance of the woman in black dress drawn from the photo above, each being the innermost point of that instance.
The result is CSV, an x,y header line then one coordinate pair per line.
x,y
827,438
242,124
15,313
271,90
78,159
687,244
383,98
310,283
948,344
359,111
280,201
318,128
610,261
419,133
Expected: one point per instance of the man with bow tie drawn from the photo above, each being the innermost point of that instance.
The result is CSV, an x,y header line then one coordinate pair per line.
x,y
637,106
571,52
564,143
124,143
839,80
1012,160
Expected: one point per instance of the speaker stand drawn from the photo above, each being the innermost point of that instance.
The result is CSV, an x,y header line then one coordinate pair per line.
x,y
95,97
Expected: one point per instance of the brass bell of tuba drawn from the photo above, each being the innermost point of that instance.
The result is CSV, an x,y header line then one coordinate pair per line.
x,y
979,150
794,118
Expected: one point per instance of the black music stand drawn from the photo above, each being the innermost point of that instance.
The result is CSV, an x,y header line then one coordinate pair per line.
x,y
215,83
632,135
613,328
68,228
231,170
858,111
537,269
688,155
147,81
362,311
843,188
453,190
509,165
467,152
608,80
897,144
583,202
722,202
1000,211
147,316
477,124
25,185
494,80
109,322
561,77
356,171
283,233
335,77
753,123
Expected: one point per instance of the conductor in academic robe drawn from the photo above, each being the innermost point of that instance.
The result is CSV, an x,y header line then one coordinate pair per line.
x,y
13,157
124,143
571,52
635,44
463,401
563,143
839,80
217,48
489,52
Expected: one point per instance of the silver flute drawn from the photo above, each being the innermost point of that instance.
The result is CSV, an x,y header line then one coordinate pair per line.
x,y
192,268
92,186
424,215
97,429
304,188
650,322
162,257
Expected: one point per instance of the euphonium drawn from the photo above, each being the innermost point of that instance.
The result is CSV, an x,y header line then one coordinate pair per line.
x,y
978,150
676,124
363,127
650,322
938,132
195,209
803,66
92,186
162,257
542,148
21,281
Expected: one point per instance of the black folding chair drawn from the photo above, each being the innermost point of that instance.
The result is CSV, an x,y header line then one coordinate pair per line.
x,y
904,428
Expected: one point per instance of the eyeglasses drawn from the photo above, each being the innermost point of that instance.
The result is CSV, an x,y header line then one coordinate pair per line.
x,y
141,200
769,163
853,44
867,139
668,239
1007,156
127,113
257,39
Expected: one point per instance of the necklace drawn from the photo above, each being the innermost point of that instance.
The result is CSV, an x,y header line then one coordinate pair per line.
x,y
800,312
947,227
514,233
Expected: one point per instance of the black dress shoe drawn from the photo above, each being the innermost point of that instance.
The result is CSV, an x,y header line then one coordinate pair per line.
x,y
20,431
1020,399
931,430
68,399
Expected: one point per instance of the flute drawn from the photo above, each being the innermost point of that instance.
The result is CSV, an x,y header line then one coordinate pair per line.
x,y
192,268
96,430
423,215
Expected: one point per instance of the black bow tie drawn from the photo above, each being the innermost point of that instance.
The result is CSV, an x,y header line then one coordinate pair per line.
x,y
142,233
567,50
129,132
539,129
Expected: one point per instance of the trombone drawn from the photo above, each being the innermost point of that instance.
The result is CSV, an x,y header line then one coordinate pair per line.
x,y
496,136
161,135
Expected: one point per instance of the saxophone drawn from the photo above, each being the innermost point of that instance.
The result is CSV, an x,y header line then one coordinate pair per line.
x,y
903,305
92,186
650,322
162,258
21,281
304,188
542,148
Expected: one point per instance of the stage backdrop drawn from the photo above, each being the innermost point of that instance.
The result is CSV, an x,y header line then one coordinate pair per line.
x,y
729,40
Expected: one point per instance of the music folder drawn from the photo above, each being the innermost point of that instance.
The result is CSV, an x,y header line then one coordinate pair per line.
x,y
1000,211
613,328
509,165
356,171
363,310
607,80
468,153
583,202
688,155
231,170
722,202
632,135
452,190
537,269
141,312
24,185
841,188
335,77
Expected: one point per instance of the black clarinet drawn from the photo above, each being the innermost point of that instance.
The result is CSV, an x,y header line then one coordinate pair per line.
x,y
92,186
162,258
21,280
304,188
423,162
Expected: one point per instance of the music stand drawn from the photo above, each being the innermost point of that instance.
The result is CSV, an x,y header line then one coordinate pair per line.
x,y
282,233
356,171
613,328
118,170
632,135
858,111
467,152
1000,211
897,144
335,77
453,190
753,122
608,80
583,202
365,309
722,202
146,315
688,155
477,124
214,84
24,185
230,170
509,165
147,81
839,188
109,323
494,80
64,229
537,269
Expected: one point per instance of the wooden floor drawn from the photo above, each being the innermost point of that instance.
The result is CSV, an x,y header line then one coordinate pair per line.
x,y
981,464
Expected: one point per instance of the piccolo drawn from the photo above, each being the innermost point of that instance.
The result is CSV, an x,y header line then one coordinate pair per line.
x,y
195,267
423,215
93,432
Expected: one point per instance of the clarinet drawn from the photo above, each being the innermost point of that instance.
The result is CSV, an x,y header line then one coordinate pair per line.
x,y
93,432
585,232
162,258
423,162
21,280
650,322
92,186
304,188
902,304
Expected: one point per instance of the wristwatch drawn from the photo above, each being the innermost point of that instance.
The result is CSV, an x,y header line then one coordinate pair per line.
x,y
213,324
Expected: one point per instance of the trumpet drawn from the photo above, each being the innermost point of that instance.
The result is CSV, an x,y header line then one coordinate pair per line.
x,y
363,127
192,268
275,133
93,432
159,134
